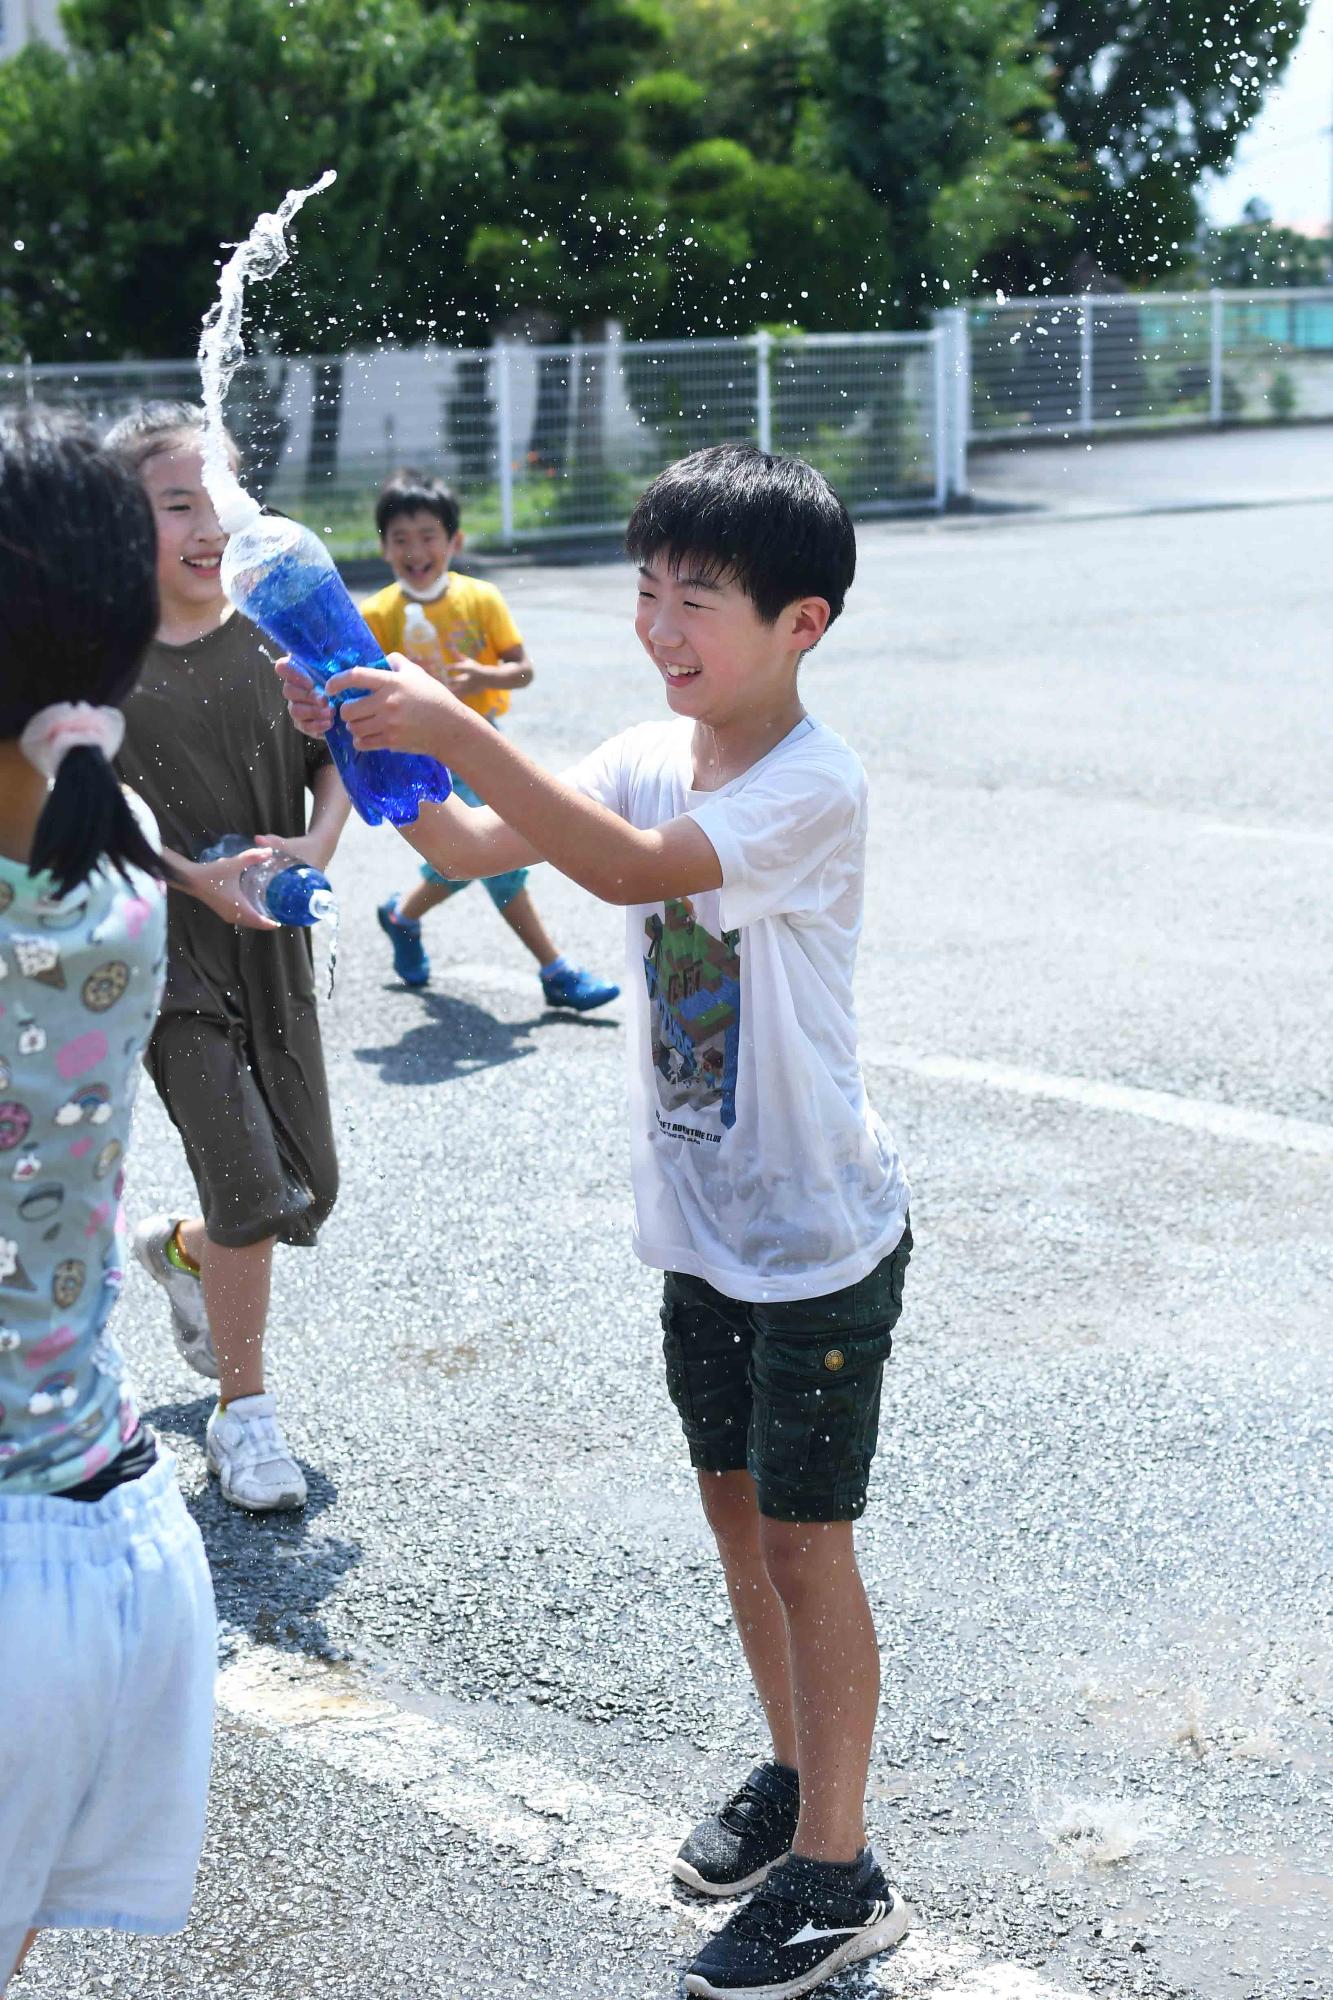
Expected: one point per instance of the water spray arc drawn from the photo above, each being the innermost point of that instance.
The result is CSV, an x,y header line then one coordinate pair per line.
x,y
278,572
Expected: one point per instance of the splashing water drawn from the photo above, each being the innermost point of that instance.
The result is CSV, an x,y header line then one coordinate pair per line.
x,y
222,349
1101,1831
330,928
277,571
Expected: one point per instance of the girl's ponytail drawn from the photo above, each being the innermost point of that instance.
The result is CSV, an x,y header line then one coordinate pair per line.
x,y
78,607
87,819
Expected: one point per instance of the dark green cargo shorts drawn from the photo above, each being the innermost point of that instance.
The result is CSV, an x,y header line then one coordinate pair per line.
x,y
787,1392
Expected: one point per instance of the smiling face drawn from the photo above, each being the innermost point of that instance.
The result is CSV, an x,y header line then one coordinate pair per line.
x,y
189,540
718,660
419,548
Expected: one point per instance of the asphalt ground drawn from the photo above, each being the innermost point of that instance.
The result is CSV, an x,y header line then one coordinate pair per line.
x,y
472,1699
1267,465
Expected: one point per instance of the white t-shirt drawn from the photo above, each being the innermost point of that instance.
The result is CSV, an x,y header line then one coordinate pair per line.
x,y
758,1164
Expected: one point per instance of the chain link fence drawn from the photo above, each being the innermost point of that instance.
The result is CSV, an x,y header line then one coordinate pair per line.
x,y
1059,366
549,442
553,442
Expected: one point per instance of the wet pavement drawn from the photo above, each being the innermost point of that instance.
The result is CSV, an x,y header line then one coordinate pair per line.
x,y
473,1698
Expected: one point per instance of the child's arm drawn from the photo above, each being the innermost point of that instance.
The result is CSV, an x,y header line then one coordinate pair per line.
x,y
503,639
470,677
329,812
582,838
466,842
214,883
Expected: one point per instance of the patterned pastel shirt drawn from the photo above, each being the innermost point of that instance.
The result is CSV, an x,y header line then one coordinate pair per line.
x,y
80,983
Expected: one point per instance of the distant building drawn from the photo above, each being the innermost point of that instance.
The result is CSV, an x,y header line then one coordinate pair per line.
x,y
23,21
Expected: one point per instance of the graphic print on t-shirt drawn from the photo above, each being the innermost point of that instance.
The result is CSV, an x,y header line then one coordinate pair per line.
x,y
694,987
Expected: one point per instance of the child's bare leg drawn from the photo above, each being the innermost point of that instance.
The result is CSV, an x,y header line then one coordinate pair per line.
x,y
520,913
24,1949
834,1676
733,1515
425,897
236,1292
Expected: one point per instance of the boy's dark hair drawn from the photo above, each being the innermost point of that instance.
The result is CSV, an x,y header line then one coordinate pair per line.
x,y
408,491
769,522
78,607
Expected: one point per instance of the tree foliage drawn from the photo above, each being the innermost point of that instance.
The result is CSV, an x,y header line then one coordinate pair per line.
x,y
1150,97
685,166
1254,252
577,242
936,107
125,166
750,243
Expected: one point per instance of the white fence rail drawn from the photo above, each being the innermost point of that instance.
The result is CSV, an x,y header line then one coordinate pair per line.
x,y
549,442
1056,366
546,442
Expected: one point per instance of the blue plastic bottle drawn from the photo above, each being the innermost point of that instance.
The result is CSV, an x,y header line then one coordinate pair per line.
x,y
288,890
281,575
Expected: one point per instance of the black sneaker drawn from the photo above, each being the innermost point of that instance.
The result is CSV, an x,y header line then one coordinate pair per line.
x,y
732,1850
809,1920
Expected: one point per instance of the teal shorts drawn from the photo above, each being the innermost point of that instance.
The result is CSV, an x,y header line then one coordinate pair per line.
x,y
788,1392
501,889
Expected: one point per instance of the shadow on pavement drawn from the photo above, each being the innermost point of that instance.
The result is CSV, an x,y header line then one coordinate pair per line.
x,y
459,1038
271,1572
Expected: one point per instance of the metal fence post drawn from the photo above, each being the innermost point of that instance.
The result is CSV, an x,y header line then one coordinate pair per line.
x,y
953,394
1085,366
504,424
576,403
962,400
763,354
1215,401
940,346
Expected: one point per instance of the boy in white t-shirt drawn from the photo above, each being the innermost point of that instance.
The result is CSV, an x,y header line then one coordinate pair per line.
x,y
765,1187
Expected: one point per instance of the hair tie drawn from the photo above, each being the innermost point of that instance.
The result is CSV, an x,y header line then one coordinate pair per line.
x,y
70,725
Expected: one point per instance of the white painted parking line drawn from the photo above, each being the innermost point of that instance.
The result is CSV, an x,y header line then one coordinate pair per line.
x,y
1192,1114
1162,1107
1303,836
526,1806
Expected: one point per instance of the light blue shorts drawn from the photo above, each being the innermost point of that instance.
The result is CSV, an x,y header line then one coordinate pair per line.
x,y
501,889
108,1652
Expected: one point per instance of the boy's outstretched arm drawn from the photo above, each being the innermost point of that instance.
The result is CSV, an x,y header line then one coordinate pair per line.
x,y
465,842
582,838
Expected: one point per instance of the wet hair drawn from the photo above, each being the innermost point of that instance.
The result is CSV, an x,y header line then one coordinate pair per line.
x,y
78,607
408,491
156,427
767,522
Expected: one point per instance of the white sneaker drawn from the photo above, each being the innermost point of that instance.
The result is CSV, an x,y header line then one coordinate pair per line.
x,y
248,1452
185,1293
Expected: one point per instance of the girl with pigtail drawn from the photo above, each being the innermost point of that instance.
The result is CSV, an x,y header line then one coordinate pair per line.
x,y
107,1642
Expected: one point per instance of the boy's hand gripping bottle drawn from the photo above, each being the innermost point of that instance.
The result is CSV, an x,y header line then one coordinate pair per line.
x,y
288,890
281,575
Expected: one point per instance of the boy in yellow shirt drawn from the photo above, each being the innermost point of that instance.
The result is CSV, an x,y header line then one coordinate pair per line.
x,y
460,629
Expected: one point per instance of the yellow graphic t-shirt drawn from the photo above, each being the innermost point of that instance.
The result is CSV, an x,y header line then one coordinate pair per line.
x,y
471,620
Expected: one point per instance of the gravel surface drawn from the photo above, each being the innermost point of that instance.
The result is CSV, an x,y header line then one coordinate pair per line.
x,y
1099,1540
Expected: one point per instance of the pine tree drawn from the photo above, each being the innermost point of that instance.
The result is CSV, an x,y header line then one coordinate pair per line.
x,y
578,242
